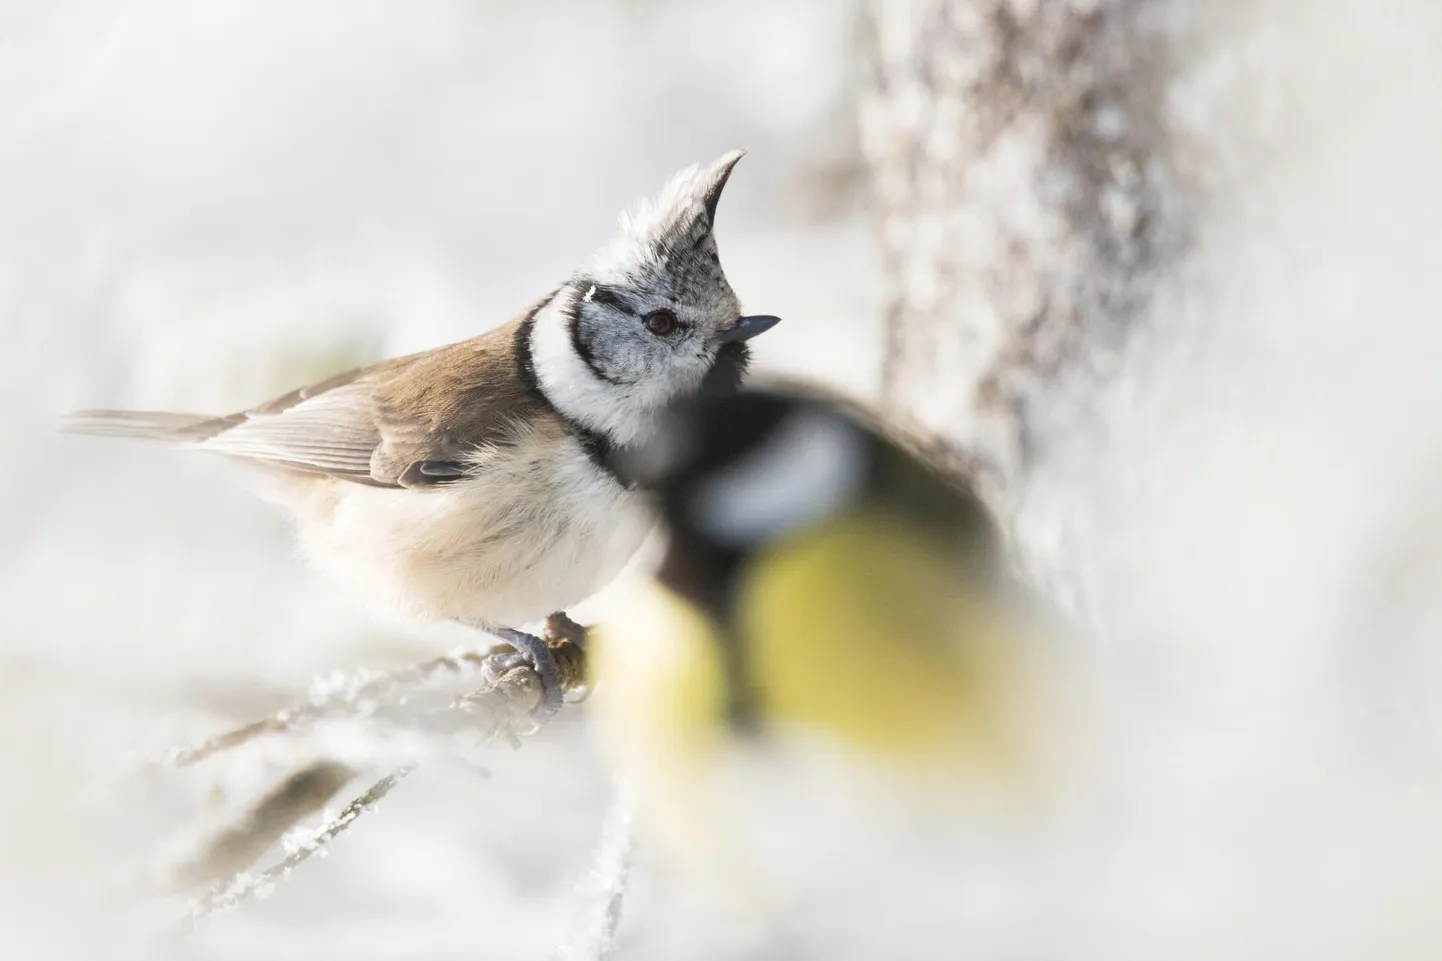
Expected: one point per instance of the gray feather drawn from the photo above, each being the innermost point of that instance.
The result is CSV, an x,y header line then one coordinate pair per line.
x,y
333,432
136,424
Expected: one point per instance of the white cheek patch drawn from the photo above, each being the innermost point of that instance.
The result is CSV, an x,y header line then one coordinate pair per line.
x,y
806,470
571,385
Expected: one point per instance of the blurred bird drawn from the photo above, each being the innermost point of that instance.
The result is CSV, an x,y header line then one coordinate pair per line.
x,y
477,482
823,579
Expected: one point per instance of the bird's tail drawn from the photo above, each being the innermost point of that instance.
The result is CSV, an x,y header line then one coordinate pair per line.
x,y
138,424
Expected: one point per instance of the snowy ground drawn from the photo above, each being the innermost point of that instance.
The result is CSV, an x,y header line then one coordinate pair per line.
x,y
202,205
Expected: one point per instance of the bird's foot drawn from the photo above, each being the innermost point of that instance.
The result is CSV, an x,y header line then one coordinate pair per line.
x,y
536,652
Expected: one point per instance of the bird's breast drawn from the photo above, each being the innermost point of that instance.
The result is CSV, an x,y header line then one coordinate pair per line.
x,y
537,528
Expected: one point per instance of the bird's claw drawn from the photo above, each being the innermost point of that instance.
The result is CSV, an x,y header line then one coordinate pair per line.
x,y
542,660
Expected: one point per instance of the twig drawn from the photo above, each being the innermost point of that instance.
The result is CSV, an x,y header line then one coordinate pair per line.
x,y
507,698
503,672
593,934
294,799
356,694
242,887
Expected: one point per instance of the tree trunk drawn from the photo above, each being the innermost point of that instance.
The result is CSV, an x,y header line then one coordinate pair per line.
x,y
1026,201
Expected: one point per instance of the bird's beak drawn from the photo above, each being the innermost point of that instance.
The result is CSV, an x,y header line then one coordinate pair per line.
x,y
748,327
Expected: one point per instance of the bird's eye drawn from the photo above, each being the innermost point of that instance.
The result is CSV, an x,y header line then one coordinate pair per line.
x,y
661,322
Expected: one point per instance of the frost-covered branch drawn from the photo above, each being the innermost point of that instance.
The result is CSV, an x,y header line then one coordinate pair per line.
x,y
593,932
501,705
245,886
236,848
508,692
338,695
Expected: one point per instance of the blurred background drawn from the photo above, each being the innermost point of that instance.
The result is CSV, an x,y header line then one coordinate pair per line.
x,y
203,205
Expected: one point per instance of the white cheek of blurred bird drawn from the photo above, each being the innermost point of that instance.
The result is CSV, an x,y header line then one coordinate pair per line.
x,y
477,482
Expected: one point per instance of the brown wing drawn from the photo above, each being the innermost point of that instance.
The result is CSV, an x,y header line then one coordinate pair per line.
x,y
434,414
411,421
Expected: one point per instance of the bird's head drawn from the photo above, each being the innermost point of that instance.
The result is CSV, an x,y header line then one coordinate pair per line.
x,y
652,318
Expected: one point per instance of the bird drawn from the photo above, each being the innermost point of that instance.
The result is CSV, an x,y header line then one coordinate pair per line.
x,y
478,482
825,576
